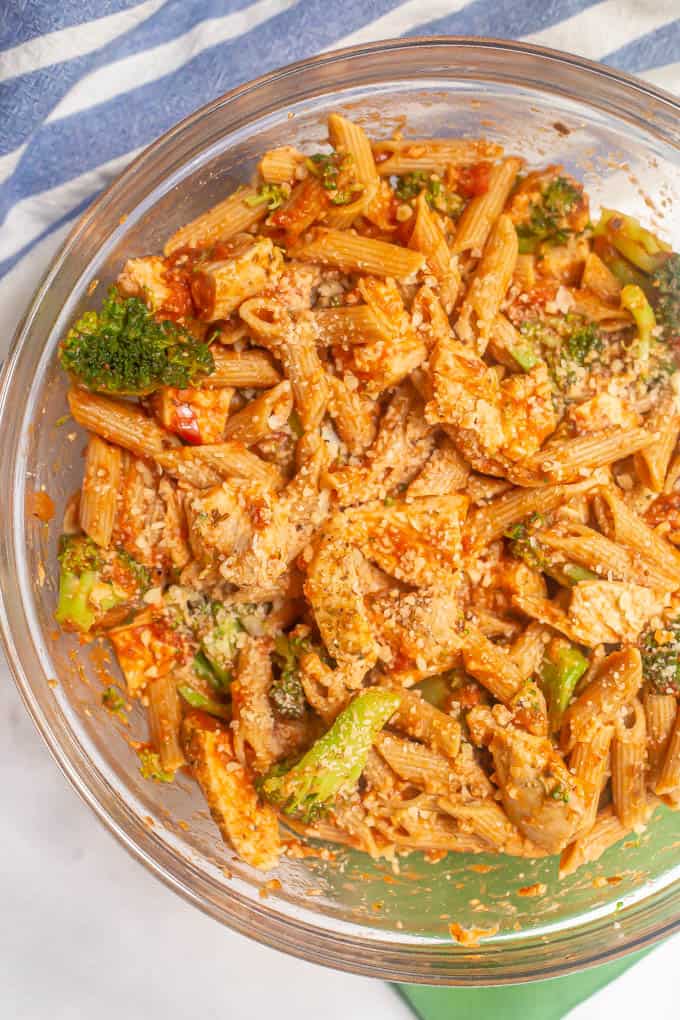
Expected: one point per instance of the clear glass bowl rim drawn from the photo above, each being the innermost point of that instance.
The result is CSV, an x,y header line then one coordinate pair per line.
x,y
512,959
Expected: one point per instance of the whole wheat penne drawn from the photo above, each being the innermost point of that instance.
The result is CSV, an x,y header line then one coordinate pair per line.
x,y
203,466
185,466
428,237
488,820
264,415
481,212
488,286
118,422
661,711
416,764
358,324
617,681
491,521
629,759
242,369
99,493
624,525
607,830
668,781
298,355
354,253
165,719
651,464
406,155
222,222
424,722
490,665
596,552
280,165
446,471
589,762
565,461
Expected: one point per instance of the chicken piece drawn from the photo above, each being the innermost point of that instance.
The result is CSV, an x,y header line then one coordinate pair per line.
x,y
419,632
247,824
493,423
165,292
253,533
602,412
539,793
599,612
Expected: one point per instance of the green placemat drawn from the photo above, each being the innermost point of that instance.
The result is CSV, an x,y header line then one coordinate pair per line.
x,y
539,1000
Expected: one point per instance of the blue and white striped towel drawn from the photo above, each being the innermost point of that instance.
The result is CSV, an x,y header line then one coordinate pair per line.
x,y
85,84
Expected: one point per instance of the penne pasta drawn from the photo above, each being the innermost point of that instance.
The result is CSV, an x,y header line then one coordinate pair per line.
x,y
482,212
99,493
629,759
489,284
230,217
660,716
407,155
353,253
617,681
119,423
263,416
280,165
247,369
165,720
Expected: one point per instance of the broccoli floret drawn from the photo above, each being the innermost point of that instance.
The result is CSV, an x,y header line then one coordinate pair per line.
x,y
547,217
661,658
562,667
437,195
123,349
198,700
640,246
584,341
633,298
286,692
93,581
666,295
151,768
271,195
524,543
334,763
220,643
112,699
332,169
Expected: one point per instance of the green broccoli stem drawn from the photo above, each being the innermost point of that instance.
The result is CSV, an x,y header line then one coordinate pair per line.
x,y
74,610
202,701
560,672
633,298
334,763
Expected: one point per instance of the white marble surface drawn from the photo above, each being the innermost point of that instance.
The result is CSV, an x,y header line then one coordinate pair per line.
x,y
86,932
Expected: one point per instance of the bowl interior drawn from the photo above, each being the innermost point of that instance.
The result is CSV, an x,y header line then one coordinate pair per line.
x,y
388,918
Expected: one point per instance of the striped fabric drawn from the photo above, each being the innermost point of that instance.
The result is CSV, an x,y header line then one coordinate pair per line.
x,y
85,84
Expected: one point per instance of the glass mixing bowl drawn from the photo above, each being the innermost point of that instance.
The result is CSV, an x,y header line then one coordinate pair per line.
x,y
350,912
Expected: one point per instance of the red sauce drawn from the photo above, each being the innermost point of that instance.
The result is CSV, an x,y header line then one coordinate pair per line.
x,y
40,505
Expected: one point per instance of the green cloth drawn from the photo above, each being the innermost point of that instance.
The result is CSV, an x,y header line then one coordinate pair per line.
x,y
539,1000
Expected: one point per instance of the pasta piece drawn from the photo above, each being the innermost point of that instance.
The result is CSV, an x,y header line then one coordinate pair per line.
x,y
428,237
629,758
203,466
423,722
352,253
589,763
622,524
617,681
406,155
668,782
280,165
504,339
262,416
165,718
579,544
567,460
446,471
651,464
99,494
482,212
247,824
490,522
491,665
226,219
218,288
308,203
347,137
488,286
423,767
606,831
242,369
118,423
352,324
253,719
488,820
660,715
